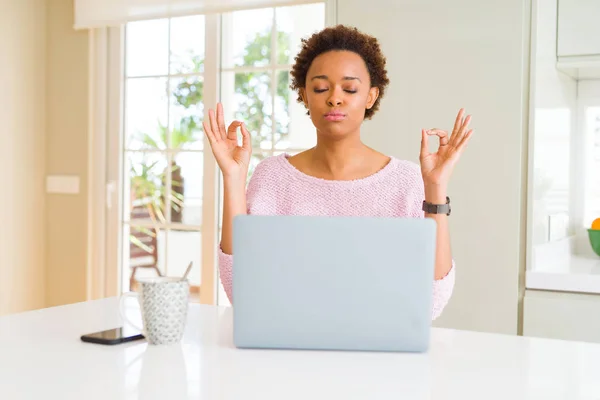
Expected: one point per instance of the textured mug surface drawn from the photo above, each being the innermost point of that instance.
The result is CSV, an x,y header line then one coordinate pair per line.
x,y
164,305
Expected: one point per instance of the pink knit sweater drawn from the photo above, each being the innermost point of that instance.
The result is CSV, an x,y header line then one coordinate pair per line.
x,y
278,188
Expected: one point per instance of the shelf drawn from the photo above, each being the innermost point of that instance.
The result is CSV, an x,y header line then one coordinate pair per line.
x,y
577,274
558,266
580,67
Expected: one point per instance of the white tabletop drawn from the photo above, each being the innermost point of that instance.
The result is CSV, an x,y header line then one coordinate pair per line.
x,y
42,357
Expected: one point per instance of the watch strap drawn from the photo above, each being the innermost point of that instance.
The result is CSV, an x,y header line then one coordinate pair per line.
x,y
431,208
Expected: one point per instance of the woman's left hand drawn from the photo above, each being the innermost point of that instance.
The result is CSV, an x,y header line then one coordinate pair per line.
x,y
437,167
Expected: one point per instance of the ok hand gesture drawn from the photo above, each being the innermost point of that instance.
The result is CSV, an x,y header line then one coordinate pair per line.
x,y
437,167
233,159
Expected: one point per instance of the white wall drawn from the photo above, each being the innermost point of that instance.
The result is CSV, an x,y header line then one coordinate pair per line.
x,y
443,56
22,154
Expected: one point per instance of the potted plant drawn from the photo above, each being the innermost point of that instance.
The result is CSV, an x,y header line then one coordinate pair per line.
x,y
184,134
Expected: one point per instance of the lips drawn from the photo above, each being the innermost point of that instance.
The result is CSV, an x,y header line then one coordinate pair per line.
x,y
335,116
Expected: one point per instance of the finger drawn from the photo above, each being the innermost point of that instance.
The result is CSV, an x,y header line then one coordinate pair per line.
x,y
459,149
209,133
458,122
463,143
424,150
458,137
246,138
213,124
443,135
221,120
466,123
232,130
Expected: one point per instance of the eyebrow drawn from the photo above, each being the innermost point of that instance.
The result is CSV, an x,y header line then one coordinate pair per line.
x,y
346,78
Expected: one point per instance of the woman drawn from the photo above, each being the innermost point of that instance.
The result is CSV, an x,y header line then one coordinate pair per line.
x,y
340,78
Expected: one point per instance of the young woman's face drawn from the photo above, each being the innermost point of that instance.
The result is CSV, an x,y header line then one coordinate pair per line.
x,y
337,93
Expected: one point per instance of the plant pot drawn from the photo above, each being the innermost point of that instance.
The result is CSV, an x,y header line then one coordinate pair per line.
x,y
594,235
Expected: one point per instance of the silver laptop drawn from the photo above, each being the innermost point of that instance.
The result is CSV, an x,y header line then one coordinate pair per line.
x,y
333,283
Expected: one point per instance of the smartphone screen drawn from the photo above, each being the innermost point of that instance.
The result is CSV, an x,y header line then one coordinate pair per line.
x,y
113,336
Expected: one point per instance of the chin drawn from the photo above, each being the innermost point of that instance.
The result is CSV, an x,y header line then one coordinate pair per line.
x,y
332,130
335,129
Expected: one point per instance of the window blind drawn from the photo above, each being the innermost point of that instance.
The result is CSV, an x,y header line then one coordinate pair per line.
x,y
104,13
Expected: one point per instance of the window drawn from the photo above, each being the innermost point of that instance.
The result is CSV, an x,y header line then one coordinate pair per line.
x,y
551,156
259,47
163,185
592,186
163,148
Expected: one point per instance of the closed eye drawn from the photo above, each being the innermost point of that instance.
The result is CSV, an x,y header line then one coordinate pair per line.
x,y
324,90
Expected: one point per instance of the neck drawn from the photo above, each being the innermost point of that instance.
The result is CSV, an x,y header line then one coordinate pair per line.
x,y
336,157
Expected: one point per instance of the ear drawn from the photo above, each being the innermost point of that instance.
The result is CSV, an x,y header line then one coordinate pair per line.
x,y
302,92
372,97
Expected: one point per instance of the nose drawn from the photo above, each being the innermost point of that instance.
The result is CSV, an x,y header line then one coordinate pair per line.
x,y
335,99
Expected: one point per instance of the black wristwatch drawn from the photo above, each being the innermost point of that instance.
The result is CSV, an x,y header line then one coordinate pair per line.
x,y
430,208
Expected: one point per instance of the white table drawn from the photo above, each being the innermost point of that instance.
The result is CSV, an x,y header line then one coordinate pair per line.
x,y
42,357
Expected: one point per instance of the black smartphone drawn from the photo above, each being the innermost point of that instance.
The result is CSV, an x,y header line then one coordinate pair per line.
x,y
113,336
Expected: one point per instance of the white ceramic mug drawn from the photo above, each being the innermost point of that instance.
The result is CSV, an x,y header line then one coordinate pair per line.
x,y
163,304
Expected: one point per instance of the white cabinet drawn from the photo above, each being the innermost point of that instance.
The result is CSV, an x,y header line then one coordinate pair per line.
x,y
567,316
578,28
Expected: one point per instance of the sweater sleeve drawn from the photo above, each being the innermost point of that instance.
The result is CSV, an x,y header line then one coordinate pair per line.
x,y
442,291
442,288
261,173
225,268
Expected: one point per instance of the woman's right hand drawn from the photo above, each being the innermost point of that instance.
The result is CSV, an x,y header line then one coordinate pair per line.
x,y
233,159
